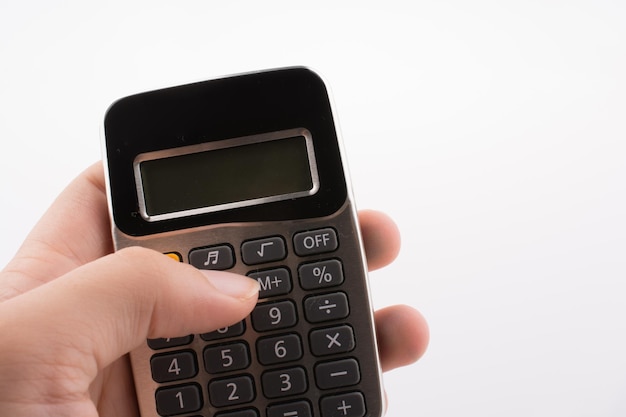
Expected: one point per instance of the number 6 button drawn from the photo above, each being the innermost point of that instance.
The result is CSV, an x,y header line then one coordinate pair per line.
x,y
285,348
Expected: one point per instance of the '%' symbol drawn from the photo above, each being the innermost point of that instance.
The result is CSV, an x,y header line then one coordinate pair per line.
x,y
322,274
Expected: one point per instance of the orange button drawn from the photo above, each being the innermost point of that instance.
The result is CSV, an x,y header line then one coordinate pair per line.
x,y
175,256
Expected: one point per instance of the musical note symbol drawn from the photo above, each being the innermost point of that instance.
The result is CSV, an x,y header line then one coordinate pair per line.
x,y
212,258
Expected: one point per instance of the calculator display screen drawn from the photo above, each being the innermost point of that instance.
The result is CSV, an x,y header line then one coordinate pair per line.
x,y
222,175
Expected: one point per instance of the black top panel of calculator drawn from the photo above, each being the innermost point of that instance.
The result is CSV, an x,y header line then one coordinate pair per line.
x,y
238,106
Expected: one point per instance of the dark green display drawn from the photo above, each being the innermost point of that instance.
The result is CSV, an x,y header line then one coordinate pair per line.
x,y
225,176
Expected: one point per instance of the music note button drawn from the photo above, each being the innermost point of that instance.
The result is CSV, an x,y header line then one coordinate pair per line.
x,y
214,257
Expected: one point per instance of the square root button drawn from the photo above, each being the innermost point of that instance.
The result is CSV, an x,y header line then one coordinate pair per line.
x,y
263,250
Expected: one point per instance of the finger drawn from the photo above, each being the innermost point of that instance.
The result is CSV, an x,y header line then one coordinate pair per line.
x,y
96,313
402,334
381,238
74,230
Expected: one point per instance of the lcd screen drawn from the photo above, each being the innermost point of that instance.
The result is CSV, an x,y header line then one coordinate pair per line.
x,y
227,177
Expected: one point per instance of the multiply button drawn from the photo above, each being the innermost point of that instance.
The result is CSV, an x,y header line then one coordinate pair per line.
x,y
315,241
263,250
338,339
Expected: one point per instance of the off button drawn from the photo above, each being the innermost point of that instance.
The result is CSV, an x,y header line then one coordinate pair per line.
x,y
315,241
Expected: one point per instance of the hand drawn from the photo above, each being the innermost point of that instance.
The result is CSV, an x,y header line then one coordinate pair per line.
x,y
70,310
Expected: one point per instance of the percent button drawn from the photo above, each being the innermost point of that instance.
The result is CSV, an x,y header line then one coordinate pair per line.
x,y
320,274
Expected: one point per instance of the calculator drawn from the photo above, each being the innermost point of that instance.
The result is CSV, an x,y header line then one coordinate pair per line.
x,y
246,174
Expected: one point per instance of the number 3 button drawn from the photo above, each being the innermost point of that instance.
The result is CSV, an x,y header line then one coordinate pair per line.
x,y
284,382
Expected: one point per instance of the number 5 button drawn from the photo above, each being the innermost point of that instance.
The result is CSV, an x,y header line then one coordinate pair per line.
x,y
224,358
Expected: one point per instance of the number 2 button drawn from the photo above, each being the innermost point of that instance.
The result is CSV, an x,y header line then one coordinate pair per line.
x,y
231,391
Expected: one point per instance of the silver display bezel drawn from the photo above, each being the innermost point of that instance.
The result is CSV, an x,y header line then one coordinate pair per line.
x,y
223,144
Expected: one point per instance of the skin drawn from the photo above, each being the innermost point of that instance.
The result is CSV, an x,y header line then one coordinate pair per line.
x,y
70,309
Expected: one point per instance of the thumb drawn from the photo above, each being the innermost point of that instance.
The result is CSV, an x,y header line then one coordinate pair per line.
x,y
98,312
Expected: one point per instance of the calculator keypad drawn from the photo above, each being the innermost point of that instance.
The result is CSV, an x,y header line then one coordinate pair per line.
x,y
282,329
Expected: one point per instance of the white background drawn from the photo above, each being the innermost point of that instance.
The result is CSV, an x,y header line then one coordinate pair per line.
x,y
493,131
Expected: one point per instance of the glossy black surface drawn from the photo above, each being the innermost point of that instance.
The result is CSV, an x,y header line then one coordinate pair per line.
x,y
215,110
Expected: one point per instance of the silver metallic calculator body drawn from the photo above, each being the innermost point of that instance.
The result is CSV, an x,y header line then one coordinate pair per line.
x,y
246,174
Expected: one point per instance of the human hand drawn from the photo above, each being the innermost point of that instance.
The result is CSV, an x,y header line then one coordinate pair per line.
x,y
70,310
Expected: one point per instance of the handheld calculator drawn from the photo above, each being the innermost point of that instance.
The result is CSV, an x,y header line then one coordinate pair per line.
x,y
246,174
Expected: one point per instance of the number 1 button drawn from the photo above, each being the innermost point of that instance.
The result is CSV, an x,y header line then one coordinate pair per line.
x,y
178,400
